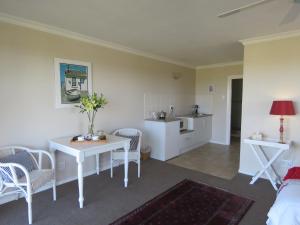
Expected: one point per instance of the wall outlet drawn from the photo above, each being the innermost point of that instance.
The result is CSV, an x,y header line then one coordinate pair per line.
x,y
61,165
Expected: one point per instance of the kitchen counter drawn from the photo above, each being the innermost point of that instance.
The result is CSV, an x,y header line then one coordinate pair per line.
x,y
163,121
186,131
196,116
178,118
168,139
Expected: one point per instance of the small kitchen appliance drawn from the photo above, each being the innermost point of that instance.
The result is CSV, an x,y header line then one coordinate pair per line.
x,y
162,115
196,109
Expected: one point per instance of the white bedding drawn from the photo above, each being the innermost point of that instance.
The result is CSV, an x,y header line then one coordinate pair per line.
x,y
286,209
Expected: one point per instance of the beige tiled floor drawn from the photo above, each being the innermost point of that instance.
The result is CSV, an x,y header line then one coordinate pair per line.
x,y
217,160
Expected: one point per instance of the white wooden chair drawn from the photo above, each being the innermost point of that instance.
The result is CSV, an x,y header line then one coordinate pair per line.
x,y
32,181
134,155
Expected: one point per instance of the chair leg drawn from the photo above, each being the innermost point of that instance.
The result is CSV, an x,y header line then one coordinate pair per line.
x,y
97,164
111,164
139,167
54,190
29,202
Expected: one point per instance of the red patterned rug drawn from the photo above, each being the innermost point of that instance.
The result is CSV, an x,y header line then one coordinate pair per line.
x,y
189,203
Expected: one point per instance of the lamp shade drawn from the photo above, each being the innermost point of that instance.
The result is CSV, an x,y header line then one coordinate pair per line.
x,y
282,108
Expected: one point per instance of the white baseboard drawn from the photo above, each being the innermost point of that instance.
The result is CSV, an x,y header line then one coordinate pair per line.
x,y
217,142
246,173
75,177
14,197
67,180
251,174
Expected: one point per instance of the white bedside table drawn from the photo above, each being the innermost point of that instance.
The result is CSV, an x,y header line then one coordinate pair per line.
x,y
266,162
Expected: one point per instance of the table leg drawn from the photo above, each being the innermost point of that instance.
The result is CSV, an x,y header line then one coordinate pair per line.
x,y
97,164
52,152
264,167
80,182
126,148
273,159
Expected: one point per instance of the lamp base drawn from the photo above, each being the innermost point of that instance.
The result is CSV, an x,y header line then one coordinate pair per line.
x,y
281,130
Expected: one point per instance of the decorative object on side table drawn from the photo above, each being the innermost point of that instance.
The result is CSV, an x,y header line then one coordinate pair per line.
x,y
162,115
257,136
90,105
80,139
282,108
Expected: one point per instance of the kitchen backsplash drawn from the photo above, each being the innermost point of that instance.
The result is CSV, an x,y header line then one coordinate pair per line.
x,y
206,102
156,102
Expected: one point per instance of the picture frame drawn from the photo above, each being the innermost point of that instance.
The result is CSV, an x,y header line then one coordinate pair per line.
x,y
211,89
73,79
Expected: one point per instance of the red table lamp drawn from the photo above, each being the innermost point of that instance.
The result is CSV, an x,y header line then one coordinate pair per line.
x,y
282,108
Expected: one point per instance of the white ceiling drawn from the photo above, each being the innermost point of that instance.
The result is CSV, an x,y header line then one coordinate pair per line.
x,y
188,31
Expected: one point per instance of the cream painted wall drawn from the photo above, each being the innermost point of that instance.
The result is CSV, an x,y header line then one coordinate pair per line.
x,y
28,113
215,103
271,71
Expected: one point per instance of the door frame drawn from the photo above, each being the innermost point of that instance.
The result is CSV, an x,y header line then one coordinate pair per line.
x,y
228,111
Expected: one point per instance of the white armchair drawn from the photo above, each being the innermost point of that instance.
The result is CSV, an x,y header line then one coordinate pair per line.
x,y
134,153
31,181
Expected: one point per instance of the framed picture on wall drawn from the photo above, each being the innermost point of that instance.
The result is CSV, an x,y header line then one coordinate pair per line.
x,y
73,79
211,88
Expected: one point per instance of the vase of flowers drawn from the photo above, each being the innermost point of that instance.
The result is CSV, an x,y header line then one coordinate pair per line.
x,y
90,105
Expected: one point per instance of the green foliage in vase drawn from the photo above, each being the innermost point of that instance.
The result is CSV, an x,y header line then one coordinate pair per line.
x,y
90,105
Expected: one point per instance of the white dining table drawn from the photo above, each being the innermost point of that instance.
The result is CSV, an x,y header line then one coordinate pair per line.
x,y
83,150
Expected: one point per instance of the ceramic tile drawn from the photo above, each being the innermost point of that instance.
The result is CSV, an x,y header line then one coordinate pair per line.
x,y
217,160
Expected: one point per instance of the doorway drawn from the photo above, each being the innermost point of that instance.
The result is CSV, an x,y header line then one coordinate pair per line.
x,y
234,109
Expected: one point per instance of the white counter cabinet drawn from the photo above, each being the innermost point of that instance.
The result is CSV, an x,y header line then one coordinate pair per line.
x,y
163,138
187,141
200,133
203,128
167,142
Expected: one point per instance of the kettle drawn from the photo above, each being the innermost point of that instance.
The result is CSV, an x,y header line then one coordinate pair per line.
x,y
162,115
